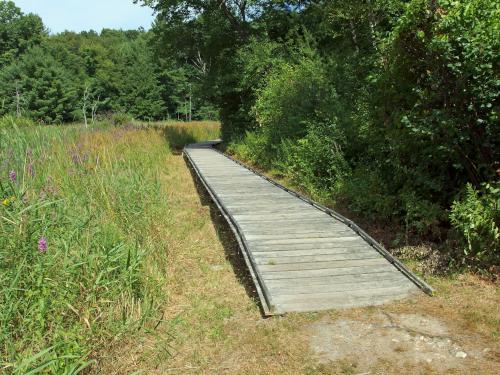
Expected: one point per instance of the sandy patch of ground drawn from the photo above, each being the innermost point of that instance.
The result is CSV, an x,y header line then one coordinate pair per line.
x,y
410,342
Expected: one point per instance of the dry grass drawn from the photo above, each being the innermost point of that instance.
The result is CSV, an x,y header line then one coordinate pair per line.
x,y
211,322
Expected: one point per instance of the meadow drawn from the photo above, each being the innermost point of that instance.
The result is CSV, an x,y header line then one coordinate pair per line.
x,y
114,261
81,247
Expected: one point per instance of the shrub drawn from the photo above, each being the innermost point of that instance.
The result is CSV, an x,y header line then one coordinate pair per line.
x,y
367,194
252,147
315,162
295,95
476,217
121,118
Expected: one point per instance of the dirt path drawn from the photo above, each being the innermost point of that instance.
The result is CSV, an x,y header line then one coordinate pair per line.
x,y
212,323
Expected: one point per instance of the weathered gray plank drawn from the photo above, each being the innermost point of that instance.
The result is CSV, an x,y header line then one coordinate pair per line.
x,y
310,246
291,290
336,279
326,265
341,295
327,272
291,241
269,260
340,303
270,253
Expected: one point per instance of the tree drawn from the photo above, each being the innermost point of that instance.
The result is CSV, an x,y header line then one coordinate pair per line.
x,y
48,91
18,32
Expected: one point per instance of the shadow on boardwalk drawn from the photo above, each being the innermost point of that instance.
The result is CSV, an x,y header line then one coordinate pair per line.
x,y
228,240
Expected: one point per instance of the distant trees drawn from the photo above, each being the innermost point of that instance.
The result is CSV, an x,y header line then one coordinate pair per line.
x,y
73,76
18,32
39,87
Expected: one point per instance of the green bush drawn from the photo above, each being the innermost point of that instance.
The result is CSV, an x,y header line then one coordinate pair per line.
x,y
121,119
367,194
294,96
252,147
476,217
315,162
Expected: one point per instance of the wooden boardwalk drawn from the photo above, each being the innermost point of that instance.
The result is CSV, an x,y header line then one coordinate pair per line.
x,y
302,256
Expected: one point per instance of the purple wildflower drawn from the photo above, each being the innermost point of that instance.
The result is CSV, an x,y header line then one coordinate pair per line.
x,y
31,169
13,176
42,244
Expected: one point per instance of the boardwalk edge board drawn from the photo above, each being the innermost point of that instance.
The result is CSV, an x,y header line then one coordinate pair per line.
x,y
259,281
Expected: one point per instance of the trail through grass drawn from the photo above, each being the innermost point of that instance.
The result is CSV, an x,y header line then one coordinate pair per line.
x,y
141,273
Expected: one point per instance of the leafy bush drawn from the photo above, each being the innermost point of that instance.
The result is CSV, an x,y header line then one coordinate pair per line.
x,y
315,162
476,217
367,194
438,95
253,147
121,118
293,96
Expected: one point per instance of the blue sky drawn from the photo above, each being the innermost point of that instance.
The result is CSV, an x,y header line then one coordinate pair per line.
x,y
78,15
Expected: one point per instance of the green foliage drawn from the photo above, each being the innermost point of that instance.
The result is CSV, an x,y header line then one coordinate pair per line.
x,y
292,96
476,217
18,32
315,162
120,119
253,147
57,78
443,84
139,94
390,106
40,87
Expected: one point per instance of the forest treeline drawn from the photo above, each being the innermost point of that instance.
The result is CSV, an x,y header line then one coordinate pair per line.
x,y
69,76
387,107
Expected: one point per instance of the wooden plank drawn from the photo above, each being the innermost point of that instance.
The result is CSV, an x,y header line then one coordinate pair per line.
x,y
245,218
312,266
342,295
339,303
280,235
336,279
314,258
291,290
292,241
327,272
312,252
306,227
310,246
287,221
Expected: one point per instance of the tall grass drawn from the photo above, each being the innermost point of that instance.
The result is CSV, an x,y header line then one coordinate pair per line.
x,y
77,216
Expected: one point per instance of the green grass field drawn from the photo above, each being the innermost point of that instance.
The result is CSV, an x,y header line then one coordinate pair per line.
x,y
80,254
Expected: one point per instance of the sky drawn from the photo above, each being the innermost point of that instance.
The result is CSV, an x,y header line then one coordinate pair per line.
x,y
79,15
